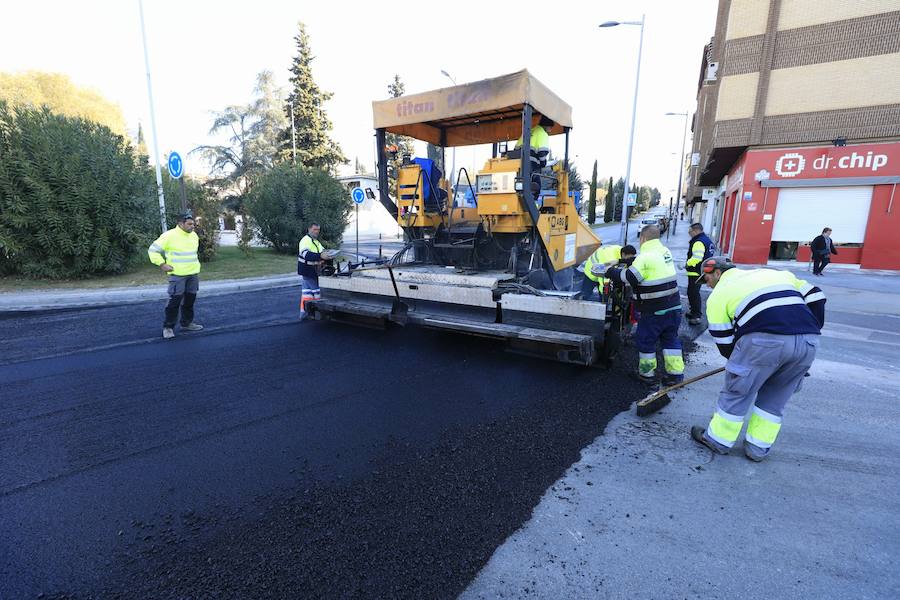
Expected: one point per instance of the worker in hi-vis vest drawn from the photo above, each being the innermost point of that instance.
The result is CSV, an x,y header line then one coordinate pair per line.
x,y
309,257
767,324
175,252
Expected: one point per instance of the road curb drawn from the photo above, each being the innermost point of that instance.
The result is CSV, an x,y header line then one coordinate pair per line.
x,y
37,302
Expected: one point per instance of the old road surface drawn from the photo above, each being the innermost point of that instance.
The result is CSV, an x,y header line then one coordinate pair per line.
x,y
267,458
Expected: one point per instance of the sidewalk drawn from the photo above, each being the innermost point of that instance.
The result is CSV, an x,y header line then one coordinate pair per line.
x,y
648,513
62,299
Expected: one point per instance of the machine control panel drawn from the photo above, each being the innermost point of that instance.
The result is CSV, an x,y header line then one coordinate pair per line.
x,y
496,183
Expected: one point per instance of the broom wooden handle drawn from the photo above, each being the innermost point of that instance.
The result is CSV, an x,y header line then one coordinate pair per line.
x,y
652,397
691,380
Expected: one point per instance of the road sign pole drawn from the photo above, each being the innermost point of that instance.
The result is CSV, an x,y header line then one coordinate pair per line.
x,y
184,206
357,230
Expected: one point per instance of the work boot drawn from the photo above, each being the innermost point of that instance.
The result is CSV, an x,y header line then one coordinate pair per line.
x,y
754,453
651,380
168,333
192,327
672,379
698,433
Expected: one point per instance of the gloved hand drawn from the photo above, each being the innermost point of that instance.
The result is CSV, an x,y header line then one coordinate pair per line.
x,y
611,273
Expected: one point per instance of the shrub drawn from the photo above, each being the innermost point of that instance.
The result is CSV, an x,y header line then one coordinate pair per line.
x,y
73,199
202,203
286,199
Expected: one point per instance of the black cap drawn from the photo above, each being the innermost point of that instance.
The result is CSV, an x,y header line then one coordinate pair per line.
x,y
185,216
723,263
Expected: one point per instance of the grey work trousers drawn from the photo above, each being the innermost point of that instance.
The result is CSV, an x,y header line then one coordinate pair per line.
x,y
764,371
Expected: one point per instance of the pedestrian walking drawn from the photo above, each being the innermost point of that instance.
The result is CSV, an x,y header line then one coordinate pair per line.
x,y
699,249
653,279
767,324
175,252
309,258
822,248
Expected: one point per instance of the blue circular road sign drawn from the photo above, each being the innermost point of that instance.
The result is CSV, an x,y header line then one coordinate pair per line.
x,y
359,196
176,165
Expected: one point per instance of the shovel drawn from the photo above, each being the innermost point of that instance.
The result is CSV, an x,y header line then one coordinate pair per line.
x,y
658,400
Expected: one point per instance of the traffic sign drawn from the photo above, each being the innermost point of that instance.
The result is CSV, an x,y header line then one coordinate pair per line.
x,y
176,165
631,199
359,196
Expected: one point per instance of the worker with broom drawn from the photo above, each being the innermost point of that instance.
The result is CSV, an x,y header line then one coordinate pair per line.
x,y
767,324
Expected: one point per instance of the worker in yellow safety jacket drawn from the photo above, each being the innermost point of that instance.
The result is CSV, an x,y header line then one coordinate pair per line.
x,y
700,248
175,252
767,324
597,263
539,147
309,257
653,279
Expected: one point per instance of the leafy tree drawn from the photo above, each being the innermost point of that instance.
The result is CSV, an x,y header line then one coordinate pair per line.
x,y
251,145
609,202
592,198
315,148
402,143
203,204
61,96
73,200
287,198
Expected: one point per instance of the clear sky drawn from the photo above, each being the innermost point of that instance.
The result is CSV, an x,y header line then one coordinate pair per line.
x,y
205,55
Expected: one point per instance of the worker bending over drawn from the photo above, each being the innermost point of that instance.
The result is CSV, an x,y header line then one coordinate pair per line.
x,y
699,249
653,279
767,324
309,257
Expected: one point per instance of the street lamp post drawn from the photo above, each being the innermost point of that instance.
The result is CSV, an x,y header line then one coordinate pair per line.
x,y
159,185
453,157
637,79
680,163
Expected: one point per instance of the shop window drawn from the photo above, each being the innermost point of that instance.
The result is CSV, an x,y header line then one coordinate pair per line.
x,y
783,250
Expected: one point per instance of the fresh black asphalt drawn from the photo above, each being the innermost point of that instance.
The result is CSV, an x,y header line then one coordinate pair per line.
x,y
272,459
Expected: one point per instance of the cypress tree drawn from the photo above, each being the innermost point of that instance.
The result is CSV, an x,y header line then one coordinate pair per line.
x,y
315,148
592,199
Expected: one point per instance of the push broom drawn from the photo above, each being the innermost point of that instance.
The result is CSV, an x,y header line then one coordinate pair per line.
x,y
658,400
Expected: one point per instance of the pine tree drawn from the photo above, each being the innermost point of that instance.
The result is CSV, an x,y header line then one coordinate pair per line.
x,y
402,143
610,203
592,199
315,148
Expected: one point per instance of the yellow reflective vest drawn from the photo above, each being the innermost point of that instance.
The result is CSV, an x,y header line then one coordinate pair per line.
x,y
178,248
762,300
653,278
601,256
540,146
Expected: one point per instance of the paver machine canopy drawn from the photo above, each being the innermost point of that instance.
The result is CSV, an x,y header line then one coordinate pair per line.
x,y
523,217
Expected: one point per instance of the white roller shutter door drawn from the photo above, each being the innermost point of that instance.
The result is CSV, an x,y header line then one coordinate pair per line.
x,y
803,213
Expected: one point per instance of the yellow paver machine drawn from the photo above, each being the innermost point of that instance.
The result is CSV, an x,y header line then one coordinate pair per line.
x,y
500,263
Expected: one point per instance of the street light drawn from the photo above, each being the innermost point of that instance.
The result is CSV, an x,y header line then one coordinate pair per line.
x,y
680,163
453,158
637,79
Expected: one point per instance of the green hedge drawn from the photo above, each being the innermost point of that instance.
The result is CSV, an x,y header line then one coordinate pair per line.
x,y
73,201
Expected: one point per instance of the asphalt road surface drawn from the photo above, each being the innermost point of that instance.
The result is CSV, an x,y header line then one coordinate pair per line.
x,y
268,458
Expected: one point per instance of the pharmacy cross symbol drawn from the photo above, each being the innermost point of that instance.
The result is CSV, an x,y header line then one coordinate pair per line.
x,y
790,165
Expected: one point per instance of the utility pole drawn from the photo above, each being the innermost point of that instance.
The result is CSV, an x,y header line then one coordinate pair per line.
x,y
680,162
159,185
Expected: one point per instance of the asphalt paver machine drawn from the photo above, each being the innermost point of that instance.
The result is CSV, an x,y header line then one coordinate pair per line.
x,y
500,266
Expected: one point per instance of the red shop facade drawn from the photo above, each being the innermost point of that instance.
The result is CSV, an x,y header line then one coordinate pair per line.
x,y
773,202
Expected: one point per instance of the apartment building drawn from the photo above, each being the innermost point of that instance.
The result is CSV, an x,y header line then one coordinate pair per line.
x,y
797,128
